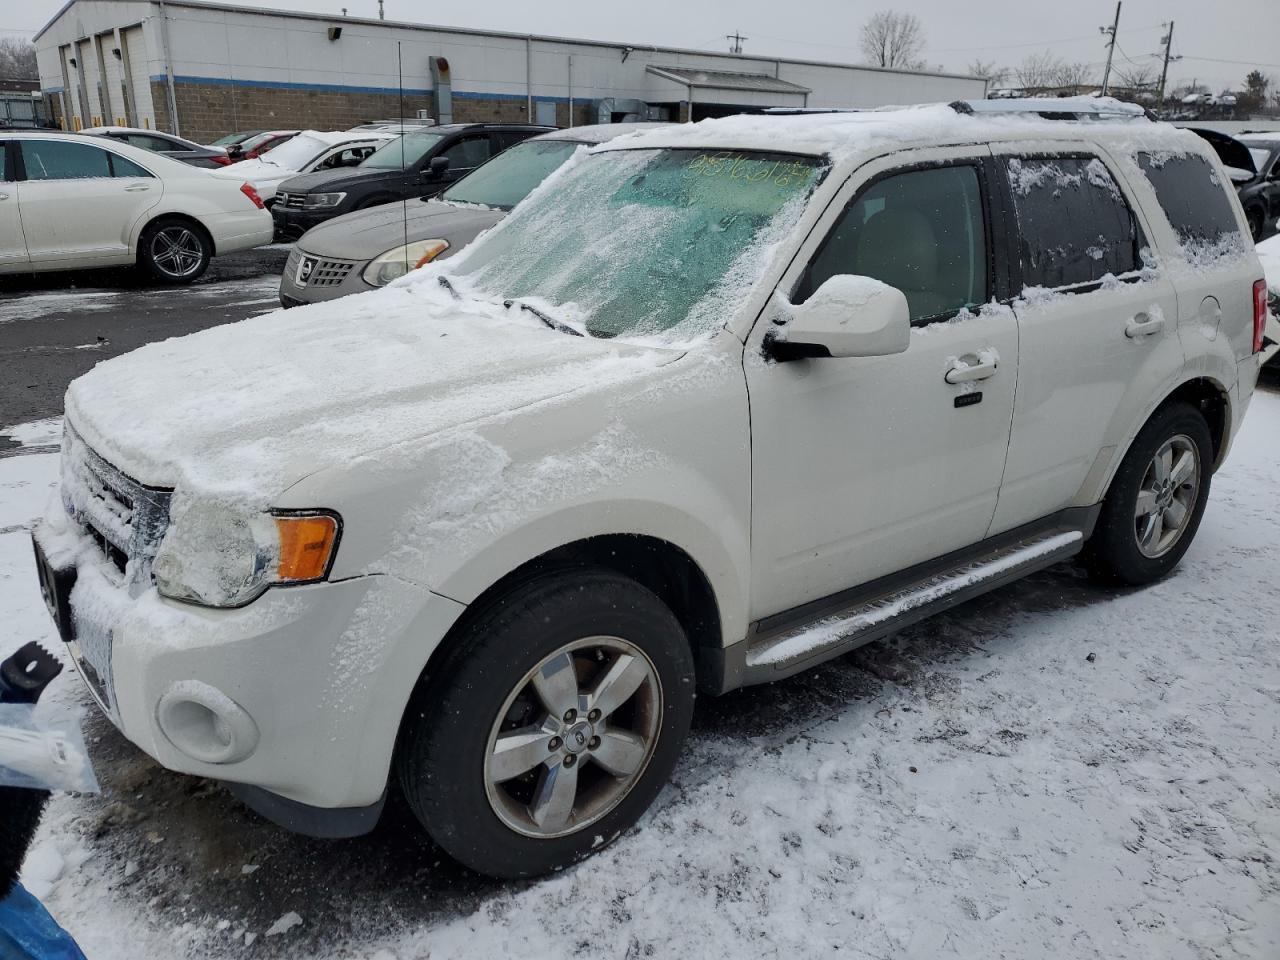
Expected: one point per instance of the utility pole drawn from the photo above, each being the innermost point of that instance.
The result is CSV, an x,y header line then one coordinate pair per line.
x,y
382,14
1164,71
737,41
1111,48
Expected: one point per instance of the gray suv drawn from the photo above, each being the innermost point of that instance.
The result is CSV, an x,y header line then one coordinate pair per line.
x,y
369,248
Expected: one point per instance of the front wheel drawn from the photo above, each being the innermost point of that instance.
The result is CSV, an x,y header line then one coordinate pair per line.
x,y
1156,500
551,725
174,251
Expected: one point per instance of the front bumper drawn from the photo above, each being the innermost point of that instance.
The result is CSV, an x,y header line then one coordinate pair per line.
x,y
292,222
311,278
302,690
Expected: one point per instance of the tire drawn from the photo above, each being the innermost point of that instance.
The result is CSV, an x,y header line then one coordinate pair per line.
x,y
1257,223
1128,546
470,795
174,250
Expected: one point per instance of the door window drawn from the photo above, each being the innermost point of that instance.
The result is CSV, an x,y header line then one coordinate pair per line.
x,y
922,231
6,163
1074,226
467,154
1193,197
64,160
344,158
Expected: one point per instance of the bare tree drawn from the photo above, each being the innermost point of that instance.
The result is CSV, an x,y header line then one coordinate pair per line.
x,y
17,59
1038,71
892,39
1136,77
995,75
1070,76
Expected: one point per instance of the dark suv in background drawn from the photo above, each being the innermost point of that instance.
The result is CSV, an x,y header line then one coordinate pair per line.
x,y
417,164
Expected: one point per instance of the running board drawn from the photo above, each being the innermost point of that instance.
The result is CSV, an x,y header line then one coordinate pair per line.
x,y
772,656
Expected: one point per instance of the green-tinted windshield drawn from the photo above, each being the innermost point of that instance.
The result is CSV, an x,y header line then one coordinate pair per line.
x,y
402,152
509,177
639,242
232,138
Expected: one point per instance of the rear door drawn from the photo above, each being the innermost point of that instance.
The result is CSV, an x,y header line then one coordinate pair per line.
x,y
80,202
13,244
1097,323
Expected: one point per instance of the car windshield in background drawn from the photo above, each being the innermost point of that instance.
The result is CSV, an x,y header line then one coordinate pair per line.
x,y
638,242
1260,157
510,177
404,151
230,139
296,153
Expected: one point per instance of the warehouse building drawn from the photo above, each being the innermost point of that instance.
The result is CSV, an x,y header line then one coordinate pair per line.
x,y
205,69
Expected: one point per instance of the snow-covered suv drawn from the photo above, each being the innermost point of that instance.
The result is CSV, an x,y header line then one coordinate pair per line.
x,y
715,404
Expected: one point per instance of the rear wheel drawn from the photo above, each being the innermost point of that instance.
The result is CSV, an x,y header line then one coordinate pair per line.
x,y
551,724
174,251
1257,223
1156,500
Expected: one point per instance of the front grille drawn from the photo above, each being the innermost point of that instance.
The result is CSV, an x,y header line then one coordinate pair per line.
x,y
125,518
292,199
308,271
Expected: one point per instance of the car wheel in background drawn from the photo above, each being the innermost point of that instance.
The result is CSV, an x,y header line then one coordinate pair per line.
x,y
1257,223
550,725
173,250
1156,500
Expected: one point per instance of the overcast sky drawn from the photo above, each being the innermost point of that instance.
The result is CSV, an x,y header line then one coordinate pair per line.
x,y
1207,31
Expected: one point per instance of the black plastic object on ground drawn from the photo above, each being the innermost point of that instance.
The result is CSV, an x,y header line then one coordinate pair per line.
x,y
24,675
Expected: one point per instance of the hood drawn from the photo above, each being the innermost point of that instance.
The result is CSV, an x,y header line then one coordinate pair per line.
x,y
243,411
339,179
366,233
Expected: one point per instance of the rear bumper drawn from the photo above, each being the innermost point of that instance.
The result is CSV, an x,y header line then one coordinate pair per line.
x,y
239,231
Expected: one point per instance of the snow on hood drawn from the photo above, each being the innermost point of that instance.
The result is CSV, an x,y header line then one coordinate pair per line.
x,y
367,233
242,411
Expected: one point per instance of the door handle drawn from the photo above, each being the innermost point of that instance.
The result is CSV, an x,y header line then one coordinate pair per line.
x,y
1143,325
136,187
972,366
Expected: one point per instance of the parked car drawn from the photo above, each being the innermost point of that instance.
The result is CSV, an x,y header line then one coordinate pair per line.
x,y
165,144
724,401
1269,255
369,248
402,125
232,139
311,151
1252,164
260,143
69,202
416,164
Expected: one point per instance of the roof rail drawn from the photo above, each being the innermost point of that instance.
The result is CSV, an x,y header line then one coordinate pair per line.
x,y
1059,108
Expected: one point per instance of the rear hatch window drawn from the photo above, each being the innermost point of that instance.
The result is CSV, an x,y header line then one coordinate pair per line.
x,y
1197,203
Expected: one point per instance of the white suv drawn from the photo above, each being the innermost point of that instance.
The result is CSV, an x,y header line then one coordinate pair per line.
x,y
716,403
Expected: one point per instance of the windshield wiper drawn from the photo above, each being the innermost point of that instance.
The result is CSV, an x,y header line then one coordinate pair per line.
x,y
551,322
444,282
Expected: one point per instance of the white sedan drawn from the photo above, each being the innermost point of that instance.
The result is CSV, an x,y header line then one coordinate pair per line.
x,y
69,202
309,151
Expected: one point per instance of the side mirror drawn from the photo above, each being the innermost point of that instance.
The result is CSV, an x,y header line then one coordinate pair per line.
x,y
847,316
436,168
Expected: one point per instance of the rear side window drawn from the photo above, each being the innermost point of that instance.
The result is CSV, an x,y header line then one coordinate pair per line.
x,y
1193,196
124,167
1074,226
922,231
63,160
6,163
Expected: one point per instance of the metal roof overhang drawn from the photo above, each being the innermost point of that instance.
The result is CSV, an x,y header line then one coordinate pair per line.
x,y
725,84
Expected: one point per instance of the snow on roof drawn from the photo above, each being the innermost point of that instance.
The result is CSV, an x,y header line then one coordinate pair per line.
x,y
844,135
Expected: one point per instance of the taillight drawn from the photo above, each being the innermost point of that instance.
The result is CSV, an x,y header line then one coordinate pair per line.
x,y
221,161
1259,313
252,194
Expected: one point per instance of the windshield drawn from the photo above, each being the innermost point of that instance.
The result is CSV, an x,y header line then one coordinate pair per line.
x,y
1260,157
231,138
402,152
640,242
296,153
509,177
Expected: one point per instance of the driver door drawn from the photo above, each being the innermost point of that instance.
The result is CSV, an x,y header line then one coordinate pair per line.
x,y
862,467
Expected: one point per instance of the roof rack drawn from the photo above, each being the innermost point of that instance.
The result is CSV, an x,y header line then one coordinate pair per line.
x,y
1060,108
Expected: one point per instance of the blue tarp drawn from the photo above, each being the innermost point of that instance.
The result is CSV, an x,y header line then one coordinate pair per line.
x,y
27,932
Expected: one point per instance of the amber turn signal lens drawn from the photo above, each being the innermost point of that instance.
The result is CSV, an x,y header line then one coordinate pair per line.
x,y
306,544
433,251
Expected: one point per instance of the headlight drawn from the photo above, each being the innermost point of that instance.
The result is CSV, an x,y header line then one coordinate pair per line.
x,y
398,261
220,557
322,201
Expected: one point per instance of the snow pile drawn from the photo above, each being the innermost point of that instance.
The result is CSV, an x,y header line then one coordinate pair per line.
x,y
1269,255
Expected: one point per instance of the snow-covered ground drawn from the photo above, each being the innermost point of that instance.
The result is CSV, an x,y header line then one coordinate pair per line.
x,y
1054,771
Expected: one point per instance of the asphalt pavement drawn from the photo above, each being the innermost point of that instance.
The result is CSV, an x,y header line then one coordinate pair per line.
x,y
56,326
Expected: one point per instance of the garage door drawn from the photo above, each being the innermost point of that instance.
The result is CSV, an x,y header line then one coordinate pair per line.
x,y
113,83
140,77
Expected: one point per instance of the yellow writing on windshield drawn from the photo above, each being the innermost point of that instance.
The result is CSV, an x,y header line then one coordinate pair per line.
x,y
736,166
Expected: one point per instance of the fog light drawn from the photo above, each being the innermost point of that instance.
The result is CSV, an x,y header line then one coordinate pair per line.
x,y
206,724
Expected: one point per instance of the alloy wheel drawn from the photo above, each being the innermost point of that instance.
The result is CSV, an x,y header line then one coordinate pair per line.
x,y
176,251
573,737
1167,496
